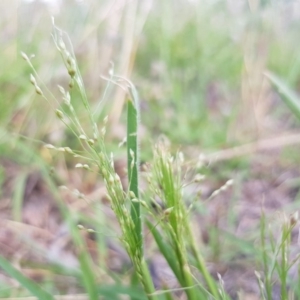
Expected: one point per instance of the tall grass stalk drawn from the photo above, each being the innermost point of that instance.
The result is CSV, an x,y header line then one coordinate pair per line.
x,y
176,228
125,204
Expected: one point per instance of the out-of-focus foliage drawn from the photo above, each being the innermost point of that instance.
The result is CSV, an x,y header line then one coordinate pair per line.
x,y
198,65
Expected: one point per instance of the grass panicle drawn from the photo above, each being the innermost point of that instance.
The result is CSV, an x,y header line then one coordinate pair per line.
x,y
176,236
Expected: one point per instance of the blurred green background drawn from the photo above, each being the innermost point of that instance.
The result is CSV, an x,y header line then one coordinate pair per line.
x,y
198,65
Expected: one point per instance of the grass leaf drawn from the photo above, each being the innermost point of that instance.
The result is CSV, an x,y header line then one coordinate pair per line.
x,y
290,98
166,251
133,160
27,283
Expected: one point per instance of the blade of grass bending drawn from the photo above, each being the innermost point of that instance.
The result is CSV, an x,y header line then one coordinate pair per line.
x,y
133,161
166,251
171,259
290,98
27,283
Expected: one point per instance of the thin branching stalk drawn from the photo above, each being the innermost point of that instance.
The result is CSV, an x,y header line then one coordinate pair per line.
x,y
175,226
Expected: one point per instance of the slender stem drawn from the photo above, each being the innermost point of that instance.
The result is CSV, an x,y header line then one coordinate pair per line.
x,y
202,268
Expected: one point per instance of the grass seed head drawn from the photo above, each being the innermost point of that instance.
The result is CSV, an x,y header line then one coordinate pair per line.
x,y
294,218
132,194
63,188
199,177
105,120
71,83
215,193
49,146
168,211
117,178
67,99
61,44
95,135
82,137
91,142
104,172
72,72
59,114
38,90
69,58
32,80
61,89
86,166
123,142
71,66
103,131
144,203
101,155
229,182
111,180
24,56
68,150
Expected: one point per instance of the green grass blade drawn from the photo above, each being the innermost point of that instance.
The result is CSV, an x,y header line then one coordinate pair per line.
x,y
133,165
27,283
166,251
290,98
133,162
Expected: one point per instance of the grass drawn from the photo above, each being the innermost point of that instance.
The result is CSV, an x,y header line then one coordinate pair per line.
x,y
200,71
